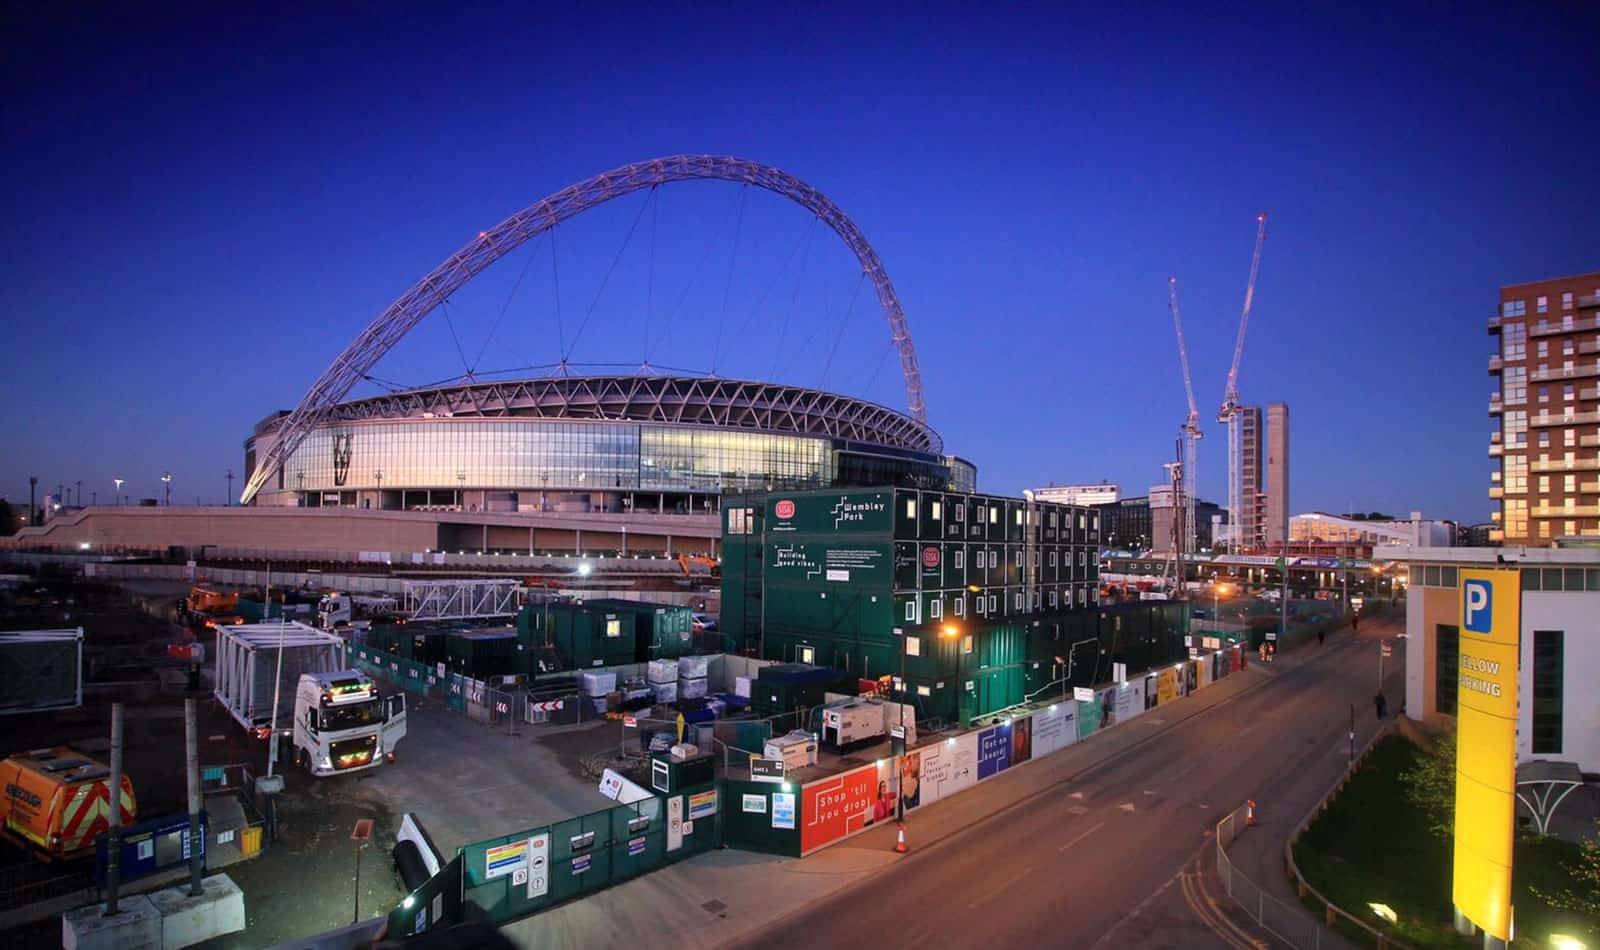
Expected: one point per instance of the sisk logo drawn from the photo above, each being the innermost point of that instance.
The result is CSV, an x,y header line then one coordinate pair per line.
x,y
783,509
1477,606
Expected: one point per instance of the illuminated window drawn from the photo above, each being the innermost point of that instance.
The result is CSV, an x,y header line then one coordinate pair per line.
x,y
613,628
933,510
911,507
994,514
913,645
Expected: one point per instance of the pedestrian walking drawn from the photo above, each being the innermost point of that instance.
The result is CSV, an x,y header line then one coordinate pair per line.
x,y
1355,623
1380,703
1322,637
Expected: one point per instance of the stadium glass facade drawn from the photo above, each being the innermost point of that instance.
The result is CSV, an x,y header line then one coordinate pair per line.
x,y
405,464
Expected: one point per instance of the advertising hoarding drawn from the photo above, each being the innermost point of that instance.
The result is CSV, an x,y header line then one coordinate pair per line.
x,y
994,751
842,804
1167,686
948,767
1054,728
1089,716
1486,756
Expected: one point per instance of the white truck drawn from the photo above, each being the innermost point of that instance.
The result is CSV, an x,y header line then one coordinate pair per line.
x,y
341,724
341,610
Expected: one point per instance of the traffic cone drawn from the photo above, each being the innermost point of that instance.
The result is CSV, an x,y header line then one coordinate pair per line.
x,y
1249,812
900,841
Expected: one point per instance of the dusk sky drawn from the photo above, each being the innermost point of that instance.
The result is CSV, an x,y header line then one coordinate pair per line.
x,y
203,210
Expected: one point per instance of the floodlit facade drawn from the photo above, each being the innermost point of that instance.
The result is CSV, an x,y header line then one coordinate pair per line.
x,y
598,444
1104,493
1321,528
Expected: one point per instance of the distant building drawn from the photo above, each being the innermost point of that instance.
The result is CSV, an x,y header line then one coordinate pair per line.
x,y
1249,532
1320,528
1474,535
1162,514
1104,493
1125,523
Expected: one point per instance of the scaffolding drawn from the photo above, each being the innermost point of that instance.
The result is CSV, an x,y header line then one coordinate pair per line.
x,y
462,600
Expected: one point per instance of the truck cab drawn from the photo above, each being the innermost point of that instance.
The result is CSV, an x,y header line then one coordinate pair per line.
x,y
341,724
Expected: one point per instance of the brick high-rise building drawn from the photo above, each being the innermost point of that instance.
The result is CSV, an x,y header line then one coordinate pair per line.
x,y
1548,442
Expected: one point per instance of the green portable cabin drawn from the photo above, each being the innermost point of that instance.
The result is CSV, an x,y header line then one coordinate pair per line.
x,y
480,653
584,635
664,632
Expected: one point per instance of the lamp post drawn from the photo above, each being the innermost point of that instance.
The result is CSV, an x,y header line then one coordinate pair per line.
x,y
79,485
33,482
378,475
167,478
118,482
227,500
461,488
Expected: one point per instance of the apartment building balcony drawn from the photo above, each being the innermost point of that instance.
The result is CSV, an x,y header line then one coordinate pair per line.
x,y
1494,438
1566,511
1589,303
1495,406
1495,534
1590,347
1565,465
1497,492
1564,325
1593,392
1589,488
1496,364
1581,371
1546,420
1589,441
1496,450
1494,324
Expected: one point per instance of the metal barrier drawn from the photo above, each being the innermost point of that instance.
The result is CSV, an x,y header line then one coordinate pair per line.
x,y
1289,924
1294,925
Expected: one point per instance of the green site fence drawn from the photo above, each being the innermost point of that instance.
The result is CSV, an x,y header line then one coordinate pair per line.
x,y
413,677
506,878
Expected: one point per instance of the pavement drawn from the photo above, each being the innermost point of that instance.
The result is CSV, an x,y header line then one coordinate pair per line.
x,y
1106,843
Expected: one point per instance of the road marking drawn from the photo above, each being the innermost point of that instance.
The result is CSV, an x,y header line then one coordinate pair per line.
x,y
1076,795
1126,806
1082,836
1077,810
1149,792
1000,888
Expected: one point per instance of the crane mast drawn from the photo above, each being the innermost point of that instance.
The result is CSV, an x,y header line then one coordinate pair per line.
x,y
1191,428
1232,408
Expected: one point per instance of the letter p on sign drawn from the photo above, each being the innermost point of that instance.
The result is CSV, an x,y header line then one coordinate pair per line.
x,y
1477,606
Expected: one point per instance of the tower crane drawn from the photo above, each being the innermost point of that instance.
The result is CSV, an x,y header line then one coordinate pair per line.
x,y
1191,428
1232,408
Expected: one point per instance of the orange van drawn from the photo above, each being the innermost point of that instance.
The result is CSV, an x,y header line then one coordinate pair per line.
x,y
56,801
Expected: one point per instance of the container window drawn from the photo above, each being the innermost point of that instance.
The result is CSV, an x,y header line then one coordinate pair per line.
x,y
1552,578
1016,601
991,603
806,654
1019,558
961,606
1574,579
913,646
1447,576
1432,574
911,610
613,628
911,507
966,643
924,691
961,512
981,564
980,605
936,608
960,562
994,514
934,510
1530,577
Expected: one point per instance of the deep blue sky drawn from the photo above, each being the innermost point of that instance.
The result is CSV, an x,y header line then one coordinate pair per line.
x,y
201,211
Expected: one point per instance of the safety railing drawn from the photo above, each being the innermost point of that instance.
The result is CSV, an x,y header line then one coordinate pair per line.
x,y
1290,924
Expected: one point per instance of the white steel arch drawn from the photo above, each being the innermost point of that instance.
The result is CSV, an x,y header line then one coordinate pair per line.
x,y
404,314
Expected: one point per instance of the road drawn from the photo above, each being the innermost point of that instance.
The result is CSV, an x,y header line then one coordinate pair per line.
x,y
1116,855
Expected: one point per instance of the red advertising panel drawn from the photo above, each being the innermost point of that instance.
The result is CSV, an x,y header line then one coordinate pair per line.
x,y
837,806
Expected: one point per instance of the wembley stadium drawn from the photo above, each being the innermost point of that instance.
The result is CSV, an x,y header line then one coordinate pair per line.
x,y
591,444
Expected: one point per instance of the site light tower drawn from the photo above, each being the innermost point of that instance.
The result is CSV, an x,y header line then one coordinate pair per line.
x,y
118,482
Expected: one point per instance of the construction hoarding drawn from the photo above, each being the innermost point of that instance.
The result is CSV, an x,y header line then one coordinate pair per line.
x,y
1486,758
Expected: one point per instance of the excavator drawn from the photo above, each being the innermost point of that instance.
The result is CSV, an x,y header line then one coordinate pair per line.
x,y
684,560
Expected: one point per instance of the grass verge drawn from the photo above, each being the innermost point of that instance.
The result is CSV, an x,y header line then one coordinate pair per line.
x,y
1372,845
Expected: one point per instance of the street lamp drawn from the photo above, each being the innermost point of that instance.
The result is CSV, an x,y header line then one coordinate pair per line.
x,y
379,476
167,478
227,500
951,632
118,482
